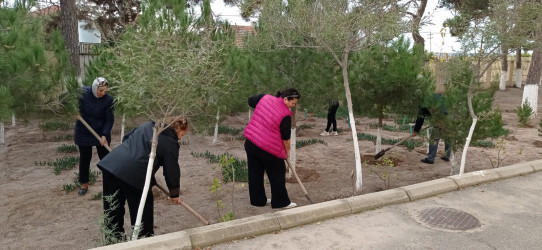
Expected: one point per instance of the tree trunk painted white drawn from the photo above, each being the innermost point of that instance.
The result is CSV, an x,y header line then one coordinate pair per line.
x,y
293,151
249,114
122,126
519,78
152,156
378,145
530,95
215,136
2,135
358,176
519,72
13,120
453,163
502,84
465,148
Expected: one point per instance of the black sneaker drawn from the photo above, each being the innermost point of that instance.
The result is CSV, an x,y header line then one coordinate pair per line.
x,y
425,160
444,158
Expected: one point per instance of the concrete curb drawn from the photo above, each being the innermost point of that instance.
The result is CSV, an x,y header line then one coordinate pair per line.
x,y
266,223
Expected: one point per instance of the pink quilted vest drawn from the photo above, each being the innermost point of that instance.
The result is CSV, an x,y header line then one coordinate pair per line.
x,y
264,127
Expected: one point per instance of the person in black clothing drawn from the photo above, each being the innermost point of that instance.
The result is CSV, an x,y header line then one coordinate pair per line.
x,y
96,108
268,145
331,113
124,171
433,145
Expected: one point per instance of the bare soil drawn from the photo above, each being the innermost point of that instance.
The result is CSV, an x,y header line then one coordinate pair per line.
x,y
36,214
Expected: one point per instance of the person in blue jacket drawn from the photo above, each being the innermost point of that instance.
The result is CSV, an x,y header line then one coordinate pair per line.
x,y
96,108
124,171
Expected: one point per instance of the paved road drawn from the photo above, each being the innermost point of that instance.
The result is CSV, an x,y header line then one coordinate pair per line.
x,y
509,213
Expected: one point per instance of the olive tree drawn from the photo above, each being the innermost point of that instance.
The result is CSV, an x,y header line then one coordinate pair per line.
x,y
336,27
164,67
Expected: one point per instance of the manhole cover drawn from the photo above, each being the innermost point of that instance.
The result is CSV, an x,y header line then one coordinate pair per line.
x,y
448,218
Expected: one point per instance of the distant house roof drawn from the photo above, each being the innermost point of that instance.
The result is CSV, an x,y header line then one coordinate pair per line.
x,y
240,33
47,11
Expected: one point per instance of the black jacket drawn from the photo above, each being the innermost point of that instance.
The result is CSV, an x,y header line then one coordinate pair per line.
x,y
128,161
98,113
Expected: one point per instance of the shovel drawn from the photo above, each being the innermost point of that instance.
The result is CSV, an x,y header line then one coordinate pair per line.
x,y
300,183
192,211
382,152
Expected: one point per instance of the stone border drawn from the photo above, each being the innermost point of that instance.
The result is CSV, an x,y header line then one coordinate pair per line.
x,y
271,222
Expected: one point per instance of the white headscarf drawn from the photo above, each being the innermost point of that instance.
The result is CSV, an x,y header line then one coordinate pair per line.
x,y
97,83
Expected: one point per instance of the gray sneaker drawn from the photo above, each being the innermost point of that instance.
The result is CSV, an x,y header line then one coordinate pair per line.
x,y
325,133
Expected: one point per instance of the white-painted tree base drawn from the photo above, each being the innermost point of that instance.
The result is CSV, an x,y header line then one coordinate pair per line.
x,y
293,152
519,78
530,95
378,140
13,123
502,83
2,135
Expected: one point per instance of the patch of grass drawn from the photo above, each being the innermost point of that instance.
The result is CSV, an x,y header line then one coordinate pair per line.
x,y
483,144
67,148
226,130
97,196
240,166
65,163
56,125
68,137
303,143
92,178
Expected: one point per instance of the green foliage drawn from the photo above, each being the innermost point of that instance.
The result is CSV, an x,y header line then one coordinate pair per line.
x,y
29,61
342,113
66,163
524,113
240,166
303,143
384,169
67,148
450,114
215,190
92,178
56,125
68,137
389,78
483,144
97,196
108,235
162,67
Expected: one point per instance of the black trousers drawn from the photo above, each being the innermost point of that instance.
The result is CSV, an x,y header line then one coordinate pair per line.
x,y
123,192
331,114
85,156
275,170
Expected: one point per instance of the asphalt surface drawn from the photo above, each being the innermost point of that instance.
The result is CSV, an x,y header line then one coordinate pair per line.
x,y
505,214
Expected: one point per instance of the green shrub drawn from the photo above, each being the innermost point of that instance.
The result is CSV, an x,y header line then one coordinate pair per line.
x,y
240,166
56,125
524,113
67,148
65,163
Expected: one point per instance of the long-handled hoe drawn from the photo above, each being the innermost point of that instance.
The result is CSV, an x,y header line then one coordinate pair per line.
x,y
300,183
192,211
382,152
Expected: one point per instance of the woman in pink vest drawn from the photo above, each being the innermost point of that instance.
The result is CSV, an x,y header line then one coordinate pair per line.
x,y
268,144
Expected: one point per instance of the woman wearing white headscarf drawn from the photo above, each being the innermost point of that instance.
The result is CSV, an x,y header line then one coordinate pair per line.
x,y
96,108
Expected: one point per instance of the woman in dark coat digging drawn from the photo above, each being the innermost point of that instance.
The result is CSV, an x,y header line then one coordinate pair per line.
x,y
124,171
96,108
